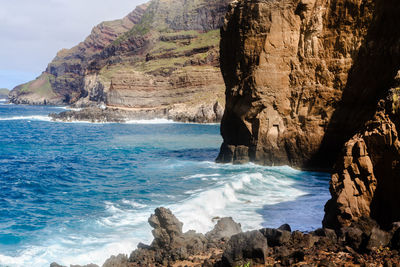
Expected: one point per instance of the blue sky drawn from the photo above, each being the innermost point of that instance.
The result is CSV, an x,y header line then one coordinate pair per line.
x,y
33,31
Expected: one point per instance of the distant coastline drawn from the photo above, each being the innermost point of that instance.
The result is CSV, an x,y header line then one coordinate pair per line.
x,y
4,93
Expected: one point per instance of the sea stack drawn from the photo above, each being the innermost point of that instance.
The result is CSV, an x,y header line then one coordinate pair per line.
x,y
310,83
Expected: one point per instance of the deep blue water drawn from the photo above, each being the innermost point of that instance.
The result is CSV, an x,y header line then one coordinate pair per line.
x,y
76,193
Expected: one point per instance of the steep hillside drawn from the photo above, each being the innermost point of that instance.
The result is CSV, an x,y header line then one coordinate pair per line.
x,y
163,56
308,78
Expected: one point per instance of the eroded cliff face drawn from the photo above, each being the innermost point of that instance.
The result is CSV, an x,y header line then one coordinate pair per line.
x,y
305,79
161,56
286,65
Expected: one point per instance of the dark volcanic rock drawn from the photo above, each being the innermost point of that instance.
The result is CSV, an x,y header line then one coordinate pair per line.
x,y
167,228
210,113
276,237
170,244
362,243
353,237
224,229
378,239
285,227
245,247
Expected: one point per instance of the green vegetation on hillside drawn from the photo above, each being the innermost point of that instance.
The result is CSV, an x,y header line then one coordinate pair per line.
x,y
140,29
41,86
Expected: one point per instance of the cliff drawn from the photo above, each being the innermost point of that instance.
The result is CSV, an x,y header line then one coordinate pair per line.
x,y
306,80
163,56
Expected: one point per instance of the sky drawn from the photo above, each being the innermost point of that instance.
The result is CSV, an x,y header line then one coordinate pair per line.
x,y
32,31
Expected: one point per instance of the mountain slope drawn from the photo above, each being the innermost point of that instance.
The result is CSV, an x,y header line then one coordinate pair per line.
x,y
164,55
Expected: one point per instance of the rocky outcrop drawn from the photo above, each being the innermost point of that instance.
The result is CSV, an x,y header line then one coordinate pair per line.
x,y
162,55
306,78
366,178
197,113
171,245
227,246
286,65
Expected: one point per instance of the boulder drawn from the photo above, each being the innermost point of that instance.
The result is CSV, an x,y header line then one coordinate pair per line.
x,y
245,247
116,261
378,239
285,227
167,228
352,237
276,237
224,229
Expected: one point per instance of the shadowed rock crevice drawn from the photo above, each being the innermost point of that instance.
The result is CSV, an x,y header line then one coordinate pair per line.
x,y
365,182
285,65
310,83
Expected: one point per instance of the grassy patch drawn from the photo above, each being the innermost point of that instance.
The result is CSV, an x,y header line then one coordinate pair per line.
x,y
140,29
41,86
210,38
396,101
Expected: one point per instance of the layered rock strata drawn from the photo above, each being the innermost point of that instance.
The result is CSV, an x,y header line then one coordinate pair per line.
x,y
164,55
306,78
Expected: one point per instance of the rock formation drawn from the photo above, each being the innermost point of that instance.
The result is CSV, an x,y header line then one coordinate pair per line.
x,y
171,245
163,56
227,246
306,78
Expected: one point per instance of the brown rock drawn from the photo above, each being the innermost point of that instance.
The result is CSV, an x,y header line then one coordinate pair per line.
x,y
305,79
163,56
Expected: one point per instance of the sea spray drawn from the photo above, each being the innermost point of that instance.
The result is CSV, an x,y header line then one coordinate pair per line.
x,y
77,193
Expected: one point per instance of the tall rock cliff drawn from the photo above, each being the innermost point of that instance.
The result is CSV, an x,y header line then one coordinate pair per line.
x,y
307,79
163,56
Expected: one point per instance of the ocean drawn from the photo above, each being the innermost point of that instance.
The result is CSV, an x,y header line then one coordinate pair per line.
x,y
77,193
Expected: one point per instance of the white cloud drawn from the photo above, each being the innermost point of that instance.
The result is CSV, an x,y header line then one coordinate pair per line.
x,y
33,31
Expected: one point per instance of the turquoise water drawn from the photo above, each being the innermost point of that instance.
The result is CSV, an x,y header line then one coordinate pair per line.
x,y
76,193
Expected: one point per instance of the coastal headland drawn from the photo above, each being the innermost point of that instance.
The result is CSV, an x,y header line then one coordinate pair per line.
x,y
312,84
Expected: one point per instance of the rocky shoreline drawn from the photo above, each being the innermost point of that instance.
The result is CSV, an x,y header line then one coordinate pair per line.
x,y
360,244
202,113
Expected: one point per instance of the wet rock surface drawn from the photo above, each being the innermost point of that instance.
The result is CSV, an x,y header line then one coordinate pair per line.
x,y
315,85
202,113
362,244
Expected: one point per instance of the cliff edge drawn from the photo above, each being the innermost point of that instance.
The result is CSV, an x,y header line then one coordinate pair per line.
x,y
306,80
161,60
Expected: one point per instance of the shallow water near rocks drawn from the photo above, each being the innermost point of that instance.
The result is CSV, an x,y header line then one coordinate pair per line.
x,y
76,193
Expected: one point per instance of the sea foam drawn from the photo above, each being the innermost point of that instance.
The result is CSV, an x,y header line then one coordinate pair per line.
x,y
34,117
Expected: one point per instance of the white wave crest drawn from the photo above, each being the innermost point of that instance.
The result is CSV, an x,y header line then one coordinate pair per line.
x,y
33,117
238,196
152,121
240,192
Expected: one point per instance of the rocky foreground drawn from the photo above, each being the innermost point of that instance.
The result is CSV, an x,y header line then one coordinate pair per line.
x,y
360,244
